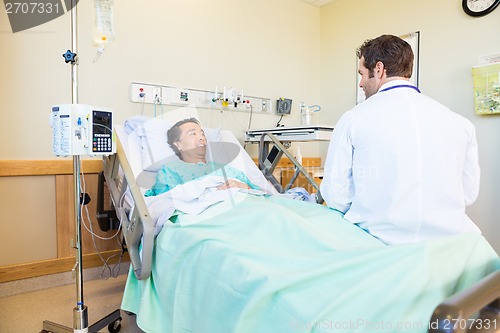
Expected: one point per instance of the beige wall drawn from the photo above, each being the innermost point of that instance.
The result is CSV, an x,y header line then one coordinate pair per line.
x,y
268,48
450,43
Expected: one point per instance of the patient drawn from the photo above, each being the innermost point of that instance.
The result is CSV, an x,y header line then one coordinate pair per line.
x,y
189,143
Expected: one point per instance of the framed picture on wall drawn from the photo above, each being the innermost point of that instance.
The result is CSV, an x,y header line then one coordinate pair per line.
x,y
413,39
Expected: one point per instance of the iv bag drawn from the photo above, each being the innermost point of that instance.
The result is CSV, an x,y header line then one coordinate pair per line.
x,y
103,22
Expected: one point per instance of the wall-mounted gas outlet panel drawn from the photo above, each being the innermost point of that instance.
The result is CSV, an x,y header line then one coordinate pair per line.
x,y
166,95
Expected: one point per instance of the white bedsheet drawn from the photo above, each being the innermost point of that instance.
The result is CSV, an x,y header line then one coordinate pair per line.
x,y
192,198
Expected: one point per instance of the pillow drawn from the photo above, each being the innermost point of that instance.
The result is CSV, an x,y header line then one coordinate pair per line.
x,y
155,148
134,122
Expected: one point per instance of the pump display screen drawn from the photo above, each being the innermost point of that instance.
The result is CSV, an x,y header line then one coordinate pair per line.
x,y
102,122
102,130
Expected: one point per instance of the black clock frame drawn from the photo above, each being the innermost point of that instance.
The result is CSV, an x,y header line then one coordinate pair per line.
x,y
481,13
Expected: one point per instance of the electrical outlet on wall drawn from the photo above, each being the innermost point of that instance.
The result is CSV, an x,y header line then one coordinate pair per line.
x,y
264,105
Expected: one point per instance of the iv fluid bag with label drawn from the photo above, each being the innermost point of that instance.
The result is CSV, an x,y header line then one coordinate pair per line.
x,y
103,22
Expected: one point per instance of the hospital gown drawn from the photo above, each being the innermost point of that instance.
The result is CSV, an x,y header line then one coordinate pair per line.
x,y
177,173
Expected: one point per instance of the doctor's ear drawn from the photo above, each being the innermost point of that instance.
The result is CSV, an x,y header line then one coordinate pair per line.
x,y
379,69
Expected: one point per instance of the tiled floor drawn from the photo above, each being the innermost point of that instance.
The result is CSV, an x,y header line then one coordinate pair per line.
x,y
25,313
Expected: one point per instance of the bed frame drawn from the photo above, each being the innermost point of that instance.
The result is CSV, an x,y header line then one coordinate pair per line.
x,y
267,170
137,225
476,309
138,232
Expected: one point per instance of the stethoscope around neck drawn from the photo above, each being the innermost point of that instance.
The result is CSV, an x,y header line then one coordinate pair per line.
x,y
401,86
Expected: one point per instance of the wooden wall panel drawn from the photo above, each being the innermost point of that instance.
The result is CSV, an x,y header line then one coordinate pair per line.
x,y
53,266
65,219
10,168
62,170
27,219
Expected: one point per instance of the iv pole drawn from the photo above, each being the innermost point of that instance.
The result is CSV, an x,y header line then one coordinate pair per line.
x,y
80,313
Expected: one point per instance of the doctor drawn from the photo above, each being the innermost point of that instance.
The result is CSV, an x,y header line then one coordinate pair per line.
x,y
401,165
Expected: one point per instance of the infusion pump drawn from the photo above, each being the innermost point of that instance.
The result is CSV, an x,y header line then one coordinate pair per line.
x,y
79,129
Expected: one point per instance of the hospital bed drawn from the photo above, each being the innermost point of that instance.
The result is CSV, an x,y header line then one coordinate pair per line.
x,y
259,263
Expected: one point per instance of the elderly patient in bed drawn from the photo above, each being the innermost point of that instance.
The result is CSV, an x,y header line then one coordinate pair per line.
x,y
188,141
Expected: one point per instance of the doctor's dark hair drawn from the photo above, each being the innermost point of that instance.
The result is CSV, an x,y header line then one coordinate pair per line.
x,y
174,133
395,53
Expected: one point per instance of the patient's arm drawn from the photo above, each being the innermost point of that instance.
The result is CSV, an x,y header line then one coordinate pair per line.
x,y
232,183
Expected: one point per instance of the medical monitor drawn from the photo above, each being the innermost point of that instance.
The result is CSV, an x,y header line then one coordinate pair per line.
x,y
80,129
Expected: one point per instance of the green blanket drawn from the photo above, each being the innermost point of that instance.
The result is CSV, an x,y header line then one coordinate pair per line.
x,y
271,264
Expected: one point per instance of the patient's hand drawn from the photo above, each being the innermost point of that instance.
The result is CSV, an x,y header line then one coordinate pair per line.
x,y
232,183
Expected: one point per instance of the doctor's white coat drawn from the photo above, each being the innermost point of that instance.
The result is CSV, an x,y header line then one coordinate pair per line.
x,y
403,167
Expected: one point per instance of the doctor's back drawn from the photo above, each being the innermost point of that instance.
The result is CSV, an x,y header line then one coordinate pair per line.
x,y
403,166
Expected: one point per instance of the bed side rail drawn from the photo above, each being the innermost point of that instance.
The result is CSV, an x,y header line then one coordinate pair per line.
x,y
455,314
299,169
138,227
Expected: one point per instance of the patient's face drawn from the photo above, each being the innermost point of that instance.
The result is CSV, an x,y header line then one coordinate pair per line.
x,y
192,143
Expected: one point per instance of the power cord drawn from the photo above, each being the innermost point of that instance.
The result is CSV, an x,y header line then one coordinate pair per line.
x,y
279,121
114,271
250,119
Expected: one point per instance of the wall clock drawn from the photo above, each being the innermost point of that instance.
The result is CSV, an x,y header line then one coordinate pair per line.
x,y
479,7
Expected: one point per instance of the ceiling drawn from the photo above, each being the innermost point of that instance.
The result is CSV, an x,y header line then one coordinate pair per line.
x,y
318,3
